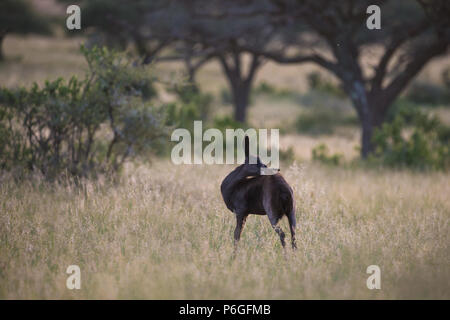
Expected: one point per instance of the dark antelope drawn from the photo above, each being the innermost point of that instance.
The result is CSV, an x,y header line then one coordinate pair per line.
x,y
246,191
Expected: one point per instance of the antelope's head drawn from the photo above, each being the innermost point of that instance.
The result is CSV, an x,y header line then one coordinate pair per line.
x,y
253,165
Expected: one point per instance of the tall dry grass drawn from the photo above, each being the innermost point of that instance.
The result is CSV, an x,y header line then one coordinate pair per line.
x,y
163,231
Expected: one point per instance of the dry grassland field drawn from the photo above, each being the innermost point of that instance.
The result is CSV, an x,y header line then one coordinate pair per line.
x,y
162,231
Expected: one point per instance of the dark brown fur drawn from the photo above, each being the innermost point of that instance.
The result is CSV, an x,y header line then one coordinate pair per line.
x,y
246,192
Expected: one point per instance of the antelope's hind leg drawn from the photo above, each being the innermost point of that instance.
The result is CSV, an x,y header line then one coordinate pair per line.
x,y
292,224
274,218
274,222
240,222
280,232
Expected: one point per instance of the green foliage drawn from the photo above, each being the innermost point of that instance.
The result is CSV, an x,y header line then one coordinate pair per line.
x,y
318,121
227,122
226,97
191,105
322,154
313,123
288,155
404,107
267,89
423,145
81,126
318,83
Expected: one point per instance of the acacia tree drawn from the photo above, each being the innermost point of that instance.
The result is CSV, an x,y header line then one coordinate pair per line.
x,y
223,31
239,81
192,31
17,16
217,30
119,23
412,33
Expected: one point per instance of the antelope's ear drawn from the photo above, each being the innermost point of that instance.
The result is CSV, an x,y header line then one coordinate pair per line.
x,y
246,148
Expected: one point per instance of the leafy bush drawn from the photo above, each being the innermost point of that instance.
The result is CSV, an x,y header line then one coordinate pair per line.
x,y
227,122
318,83
425,146
322,121
191,105
313,123
225,96
405,108
81,126
265,88
322,154
288,155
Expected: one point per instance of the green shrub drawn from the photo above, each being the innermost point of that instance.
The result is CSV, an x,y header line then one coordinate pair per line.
x,y
227,122
314,123
191,105
322,154
288,155
265,88
322,121
318,83
81,126
425,146
226,97
405,108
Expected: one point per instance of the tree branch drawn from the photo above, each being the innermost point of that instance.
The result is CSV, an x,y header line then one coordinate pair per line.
x,y
412,69
399,38
256,61
280,58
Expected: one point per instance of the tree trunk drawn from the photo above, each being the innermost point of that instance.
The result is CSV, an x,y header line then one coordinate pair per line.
x,y
191,71
240,84
241,94
366,139
2,56
371,112
375,121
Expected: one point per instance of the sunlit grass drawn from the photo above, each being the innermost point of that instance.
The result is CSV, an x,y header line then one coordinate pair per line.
x,y
164,232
